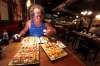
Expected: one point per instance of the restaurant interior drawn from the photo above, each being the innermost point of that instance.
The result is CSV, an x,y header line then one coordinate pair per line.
x,y
75,43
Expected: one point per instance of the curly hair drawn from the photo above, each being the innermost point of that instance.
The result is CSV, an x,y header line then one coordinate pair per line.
x,y
32,7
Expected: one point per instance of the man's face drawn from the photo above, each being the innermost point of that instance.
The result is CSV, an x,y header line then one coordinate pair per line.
x,y
37,15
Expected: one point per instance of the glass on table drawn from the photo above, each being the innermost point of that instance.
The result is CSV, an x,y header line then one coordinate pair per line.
x,y
45,31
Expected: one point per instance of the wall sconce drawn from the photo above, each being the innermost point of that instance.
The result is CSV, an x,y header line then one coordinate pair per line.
x,y
28,3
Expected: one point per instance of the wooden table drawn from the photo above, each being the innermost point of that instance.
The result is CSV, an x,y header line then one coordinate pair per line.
x,y
69,60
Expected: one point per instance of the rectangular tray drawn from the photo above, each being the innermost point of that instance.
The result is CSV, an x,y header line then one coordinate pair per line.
x,y
57,53
27,53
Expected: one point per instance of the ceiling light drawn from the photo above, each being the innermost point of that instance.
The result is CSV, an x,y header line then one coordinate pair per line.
x,y
28,3
89,12
86,12
97,17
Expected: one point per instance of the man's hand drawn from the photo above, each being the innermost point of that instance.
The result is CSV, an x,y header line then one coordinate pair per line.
x,y
50,30
16,36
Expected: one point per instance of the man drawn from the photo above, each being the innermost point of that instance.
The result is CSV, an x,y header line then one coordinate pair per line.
x,y
35,25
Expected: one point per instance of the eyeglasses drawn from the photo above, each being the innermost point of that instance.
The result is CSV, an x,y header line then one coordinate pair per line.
x,y
37,16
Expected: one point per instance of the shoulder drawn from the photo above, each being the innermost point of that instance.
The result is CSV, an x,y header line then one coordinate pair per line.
x,y
28,22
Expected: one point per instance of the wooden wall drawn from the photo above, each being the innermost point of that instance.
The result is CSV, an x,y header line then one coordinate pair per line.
x,y
4,10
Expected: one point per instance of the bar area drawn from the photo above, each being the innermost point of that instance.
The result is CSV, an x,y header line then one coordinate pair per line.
x,y
49,33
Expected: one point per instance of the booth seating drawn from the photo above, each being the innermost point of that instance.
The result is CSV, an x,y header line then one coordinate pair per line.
x,y
10,28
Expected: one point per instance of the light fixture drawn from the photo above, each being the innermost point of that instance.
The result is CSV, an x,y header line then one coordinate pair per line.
x,y
97,17
89,12
28,3
77,16
86,12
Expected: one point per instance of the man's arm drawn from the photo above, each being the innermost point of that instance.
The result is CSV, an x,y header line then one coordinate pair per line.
x,y
25,28
50,29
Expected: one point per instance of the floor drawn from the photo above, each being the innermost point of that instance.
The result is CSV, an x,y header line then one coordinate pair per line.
x,y
88,61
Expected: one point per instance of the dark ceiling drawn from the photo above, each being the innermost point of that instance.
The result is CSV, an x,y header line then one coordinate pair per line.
x,y
71,5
